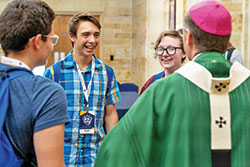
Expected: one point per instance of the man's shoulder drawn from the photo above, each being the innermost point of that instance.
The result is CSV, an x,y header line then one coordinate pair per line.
x,y
42,83
152,79
66,62
100,62
103,66
172,79
36,84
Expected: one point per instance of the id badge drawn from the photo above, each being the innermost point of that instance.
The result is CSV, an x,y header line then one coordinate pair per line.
x,y
87,122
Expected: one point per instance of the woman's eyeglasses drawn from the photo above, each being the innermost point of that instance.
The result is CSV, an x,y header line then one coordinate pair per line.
x,y
169,50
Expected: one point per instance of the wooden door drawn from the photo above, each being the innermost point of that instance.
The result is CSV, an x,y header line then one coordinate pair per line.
x,y
64,46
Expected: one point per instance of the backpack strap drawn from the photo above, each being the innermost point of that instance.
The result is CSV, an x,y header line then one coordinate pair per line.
x,y
110,78
110,75
157,76
5,78
56,71
229,53
4,98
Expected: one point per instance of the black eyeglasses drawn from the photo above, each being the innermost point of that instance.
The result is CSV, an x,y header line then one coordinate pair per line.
x,y
170,50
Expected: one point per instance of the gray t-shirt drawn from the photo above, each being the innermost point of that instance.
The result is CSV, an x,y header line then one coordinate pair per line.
x,y
36,103
236,56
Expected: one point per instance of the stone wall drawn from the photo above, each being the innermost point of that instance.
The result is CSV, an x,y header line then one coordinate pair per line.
x,y
117,37
149,20
139,37
76,5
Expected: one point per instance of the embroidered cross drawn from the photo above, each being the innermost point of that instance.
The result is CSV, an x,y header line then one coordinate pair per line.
x,y
220,122
222,85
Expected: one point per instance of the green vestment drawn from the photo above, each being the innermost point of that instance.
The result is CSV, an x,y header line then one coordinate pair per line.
x,y
170,124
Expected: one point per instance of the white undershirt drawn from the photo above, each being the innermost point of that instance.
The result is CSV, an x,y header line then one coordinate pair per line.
x,y
13,62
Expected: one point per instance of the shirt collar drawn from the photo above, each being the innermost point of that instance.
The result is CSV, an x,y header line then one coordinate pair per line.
x,y
69,62
13,62
195,57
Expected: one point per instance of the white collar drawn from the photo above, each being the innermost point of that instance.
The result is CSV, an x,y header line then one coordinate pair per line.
x,y
218,89
13,62
195,57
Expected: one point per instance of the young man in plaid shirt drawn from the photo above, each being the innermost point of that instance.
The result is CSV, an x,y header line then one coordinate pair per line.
x,y
91,100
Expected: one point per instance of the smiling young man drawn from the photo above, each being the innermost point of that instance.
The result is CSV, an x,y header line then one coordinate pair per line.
x,y
91,100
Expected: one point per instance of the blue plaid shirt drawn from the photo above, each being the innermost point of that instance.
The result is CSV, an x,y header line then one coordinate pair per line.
x,y
81,150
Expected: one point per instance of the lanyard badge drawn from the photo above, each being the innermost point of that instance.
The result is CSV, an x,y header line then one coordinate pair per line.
x,y
87,118
87,122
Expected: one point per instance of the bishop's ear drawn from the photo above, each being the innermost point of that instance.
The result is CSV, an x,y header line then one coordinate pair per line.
x,y
189,39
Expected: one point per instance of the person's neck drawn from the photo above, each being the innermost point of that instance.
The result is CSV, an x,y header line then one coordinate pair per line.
x,y
22,56
171,71
82,61
168,72
193,53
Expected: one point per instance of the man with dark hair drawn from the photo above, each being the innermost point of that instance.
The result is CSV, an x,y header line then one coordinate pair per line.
x,y
91,99
198,116
37,107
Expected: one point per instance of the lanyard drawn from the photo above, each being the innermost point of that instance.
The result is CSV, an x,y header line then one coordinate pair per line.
x,y
11,61
86,91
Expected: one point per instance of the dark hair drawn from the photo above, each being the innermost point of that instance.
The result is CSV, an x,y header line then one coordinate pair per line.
x,y
205,41
170,33
23,19
74,21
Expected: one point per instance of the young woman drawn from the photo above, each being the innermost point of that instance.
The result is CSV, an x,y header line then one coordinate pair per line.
x,y
170,54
